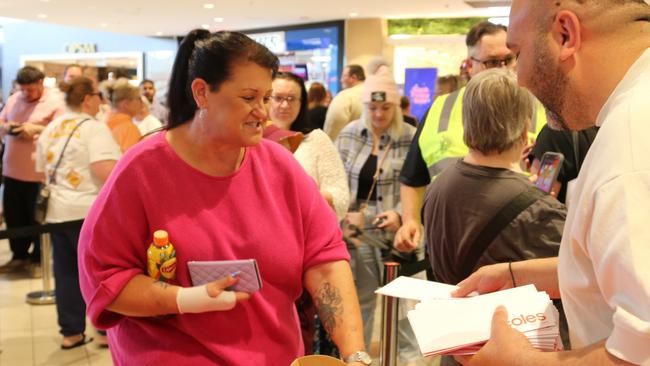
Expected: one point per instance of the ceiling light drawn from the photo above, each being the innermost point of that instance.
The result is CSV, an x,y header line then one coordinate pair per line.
x,y
354,15
205,26
159,33
42,16
103,25
45,1
208,6
218,19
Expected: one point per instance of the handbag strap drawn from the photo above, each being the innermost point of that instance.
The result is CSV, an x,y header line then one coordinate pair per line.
x,y
51,177
375,177
504,217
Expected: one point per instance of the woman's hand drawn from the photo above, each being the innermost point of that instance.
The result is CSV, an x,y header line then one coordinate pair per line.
x,y
213,296
391,221
215,288
349,234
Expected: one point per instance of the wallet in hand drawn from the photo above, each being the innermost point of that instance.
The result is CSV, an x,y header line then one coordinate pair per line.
x,y
203,272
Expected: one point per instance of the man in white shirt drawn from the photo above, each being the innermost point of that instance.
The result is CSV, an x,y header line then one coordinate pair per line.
x,y
157,109
346,105
588,61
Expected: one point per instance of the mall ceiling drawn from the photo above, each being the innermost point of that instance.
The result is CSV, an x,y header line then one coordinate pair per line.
x,y
176,17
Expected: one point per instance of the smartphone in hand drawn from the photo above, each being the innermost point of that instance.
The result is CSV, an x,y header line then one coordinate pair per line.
x,y
549,169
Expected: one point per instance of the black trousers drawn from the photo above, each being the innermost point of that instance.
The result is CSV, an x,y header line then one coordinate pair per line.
x,y
70,306
18,203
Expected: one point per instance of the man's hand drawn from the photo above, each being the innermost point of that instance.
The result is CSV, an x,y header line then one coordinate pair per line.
x,y
408,236
505,347
495,277
27,130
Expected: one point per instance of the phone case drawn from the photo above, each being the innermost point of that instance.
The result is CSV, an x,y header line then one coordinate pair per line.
x,y
549,170
203,272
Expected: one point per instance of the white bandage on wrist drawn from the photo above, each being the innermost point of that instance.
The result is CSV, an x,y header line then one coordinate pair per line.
x,y
196,300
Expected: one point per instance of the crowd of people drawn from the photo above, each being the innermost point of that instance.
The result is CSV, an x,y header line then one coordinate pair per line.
x,y
244,161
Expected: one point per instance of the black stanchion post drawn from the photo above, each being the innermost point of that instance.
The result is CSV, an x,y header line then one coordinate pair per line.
x,y
388,351
46,296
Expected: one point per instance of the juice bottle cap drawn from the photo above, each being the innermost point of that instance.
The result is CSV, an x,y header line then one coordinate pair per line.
x,y
160,238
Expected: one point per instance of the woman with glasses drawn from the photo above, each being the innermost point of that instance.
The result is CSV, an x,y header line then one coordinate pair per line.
x,y
126,104
76,153
316,153
318,156
222,193
373,149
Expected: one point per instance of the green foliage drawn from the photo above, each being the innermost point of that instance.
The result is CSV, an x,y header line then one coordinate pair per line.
x,y
431,26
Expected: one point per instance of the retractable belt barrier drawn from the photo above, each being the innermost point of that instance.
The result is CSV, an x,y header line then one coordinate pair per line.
x,y
46,296
407,268
389,310
26,231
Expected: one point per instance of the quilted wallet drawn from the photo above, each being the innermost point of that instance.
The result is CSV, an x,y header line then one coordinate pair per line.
x,y
203,272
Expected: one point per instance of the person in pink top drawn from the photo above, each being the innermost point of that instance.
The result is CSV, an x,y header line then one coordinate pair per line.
x,y
26,114
221,193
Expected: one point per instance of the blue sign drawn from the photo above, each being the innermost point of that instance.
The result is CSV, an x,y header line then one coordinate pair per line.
x,y
420,88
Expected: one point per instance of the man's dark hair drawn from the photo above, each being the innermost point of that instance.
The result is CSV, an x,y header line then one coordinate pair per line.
x,y
404,102
357,71
29,75
147,81
481,29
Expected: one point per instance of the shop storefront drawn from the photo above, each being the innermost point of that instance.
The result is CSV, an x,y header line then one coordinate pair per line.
x,y
313,52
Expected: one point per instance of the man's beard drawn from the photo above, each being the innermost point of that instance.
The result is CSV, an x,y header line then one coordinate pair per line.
x,y
550,87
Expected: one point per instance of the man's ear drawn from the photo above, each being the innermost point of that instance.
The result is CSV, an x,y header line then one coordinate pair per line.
x,y
200,91
567,33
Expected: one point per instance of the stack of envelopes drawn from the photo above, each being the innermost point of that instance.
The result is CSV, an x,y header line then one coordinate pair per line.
x,y
460,326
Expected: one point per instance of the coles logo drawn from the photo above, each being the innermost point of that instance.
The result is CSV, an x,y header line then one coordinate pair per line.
x,y
526,319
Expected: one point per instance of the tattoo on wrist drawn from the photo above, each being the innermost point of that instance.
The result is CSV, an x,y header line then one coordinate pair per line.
x,y
161,284
329,304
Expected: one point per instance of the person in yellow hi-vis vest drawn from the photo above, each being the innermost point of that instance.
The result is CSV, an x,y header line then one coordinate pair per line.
x,y
439,138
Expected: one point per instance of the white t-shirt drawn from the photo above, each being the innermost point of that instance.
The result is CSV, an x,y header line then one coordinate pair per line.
x,y
148,124
320,159
604,265
74,189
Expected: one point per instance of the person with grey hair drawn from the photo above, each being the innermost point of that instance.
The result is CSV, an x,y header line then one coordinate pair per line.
x,y
465,208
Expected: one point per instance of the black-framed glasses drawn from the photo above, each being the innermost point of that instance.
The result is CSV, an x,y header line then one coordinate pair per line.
x,y
279,99
496,62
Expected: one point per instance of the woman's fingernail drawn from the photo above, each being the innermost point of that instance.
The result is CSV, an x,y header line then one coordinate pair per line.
x,y
235,274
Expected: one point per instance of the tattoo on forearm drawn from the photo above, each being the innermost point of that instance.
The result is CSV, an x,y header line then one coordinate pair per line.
x,y
329,304
162,284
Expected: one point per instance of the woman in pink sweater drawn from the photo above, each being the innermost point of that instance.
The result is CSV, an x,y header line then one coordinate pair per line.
x,y
221,194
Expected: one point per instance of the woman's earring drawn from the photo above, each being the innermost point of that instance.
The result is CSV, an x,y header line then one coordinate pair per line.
x,y
201,113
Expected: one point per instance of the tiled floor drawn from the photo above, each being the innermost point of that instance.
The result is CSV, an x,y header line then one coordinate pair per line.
x,y
29,334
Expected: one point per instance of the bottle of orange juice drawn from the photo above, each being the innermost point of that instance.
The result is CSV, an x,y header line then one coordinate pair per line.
x,y
161,257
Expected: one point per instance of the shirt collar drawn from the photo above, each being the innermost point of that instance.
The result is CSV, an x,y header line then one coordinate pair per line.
x,y
631,78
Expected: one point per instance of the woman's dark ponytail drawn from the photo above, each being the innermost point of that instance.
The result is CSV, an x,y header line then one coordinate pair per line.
x,y
179,99
209,56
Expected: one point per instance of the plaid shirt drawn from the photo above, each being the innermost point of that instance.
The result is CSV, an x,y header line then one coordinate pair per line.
x,y
354,144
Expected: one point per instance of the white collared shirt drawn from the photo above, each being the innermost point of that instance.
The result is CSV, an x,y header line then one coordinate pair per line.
x,y
604,266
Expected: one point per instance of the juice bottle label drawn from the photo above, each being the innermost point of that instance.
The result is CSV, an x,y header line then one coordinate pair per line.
x,y
161,262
